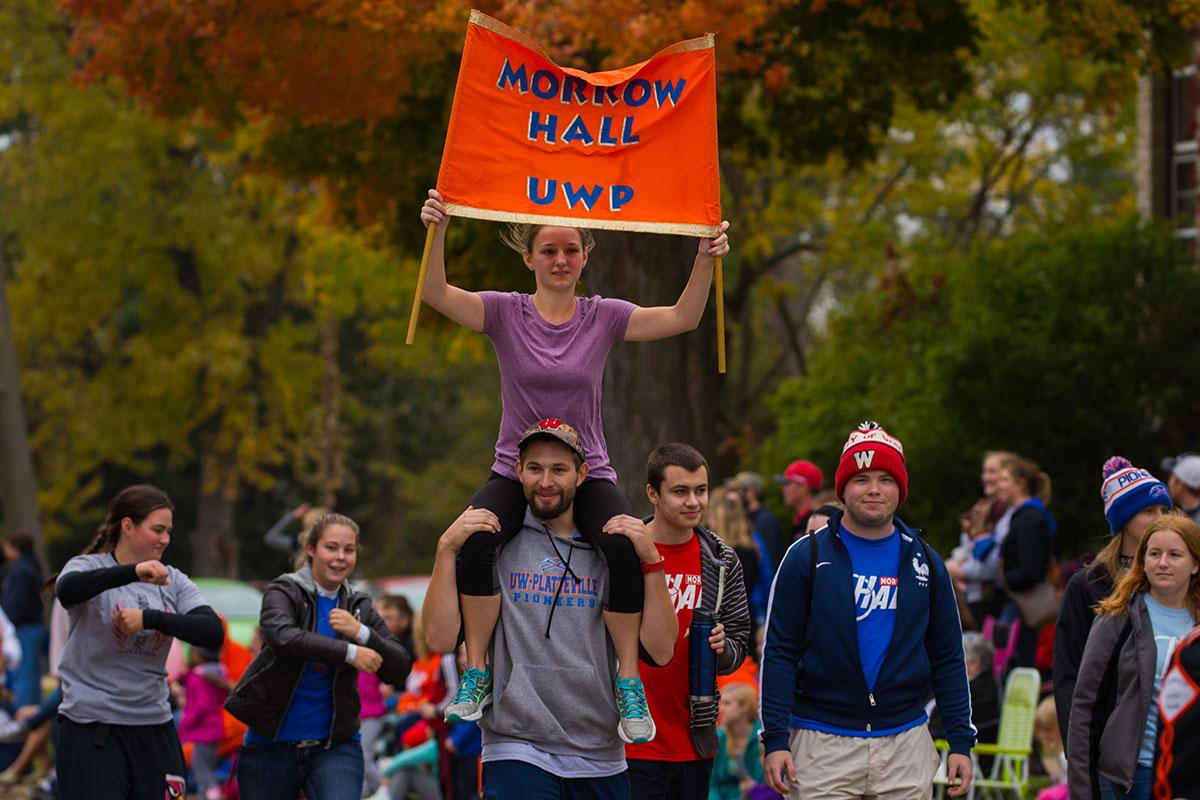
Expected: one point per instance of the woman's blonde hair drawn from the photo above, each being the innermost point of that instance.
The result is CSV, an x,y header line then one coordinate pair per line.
x,y
519,237
1136,581
727,516
1109,557
311,537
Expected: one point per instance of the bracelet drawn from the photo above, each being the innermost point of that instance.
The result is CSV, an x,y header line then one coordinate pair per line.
x,y
657,566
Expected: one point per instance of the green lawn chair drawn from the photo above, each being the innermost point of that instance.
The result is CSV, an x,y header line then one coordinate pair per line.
x,y
1014,743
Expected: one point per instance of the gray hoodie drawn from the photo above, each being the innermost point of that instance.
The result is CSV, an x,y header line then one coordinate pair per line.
x,y
552,661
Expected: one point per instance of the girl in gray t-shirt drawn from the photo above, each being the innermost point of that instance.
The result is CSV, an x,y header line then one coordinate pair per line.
x,y
116,737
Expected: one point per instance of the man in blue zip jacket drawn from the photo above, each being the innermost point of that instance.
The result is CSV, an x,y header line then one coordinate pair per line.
x,y
862,618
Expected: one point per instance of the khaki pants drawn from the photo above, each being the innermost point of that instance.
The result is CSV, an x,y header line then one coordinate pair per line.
x,y
831,767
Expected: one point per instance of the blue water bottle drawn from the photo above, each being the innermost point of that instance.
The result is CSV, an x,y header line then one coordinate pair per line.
x,y
702,660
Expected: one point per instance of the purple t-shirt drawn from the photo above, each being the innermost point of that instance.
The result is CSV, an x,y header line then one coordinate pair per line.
x,y
552,370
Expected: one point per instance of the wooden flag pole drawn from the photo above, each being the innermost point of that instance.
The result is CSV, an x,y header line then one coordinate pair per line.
x,y
416,308
719,284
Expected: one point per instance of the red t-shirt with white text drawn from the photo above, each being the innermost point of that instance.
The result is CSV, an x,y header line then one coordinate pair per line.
x,y
667,687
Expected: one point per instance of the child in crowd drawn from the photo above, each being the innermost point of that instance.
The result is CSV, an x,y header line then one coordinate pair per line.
x,y
427,691
737,766
204,688
464,744
1050,749
974,545
377,697
371,695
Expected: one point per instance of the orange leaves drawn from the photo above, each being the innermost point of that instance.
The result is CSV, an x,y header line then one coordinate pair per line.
x,y
775,78
317,61
596,36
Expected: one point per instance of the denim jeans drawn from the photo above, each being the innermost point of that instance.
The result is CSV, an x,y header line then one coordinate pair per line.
x,y
279,771
1143,782
507,779
26,680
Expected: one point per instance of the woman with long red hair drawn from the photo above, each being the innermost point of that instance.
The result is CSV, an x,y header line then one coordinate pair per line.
x,y
1114,715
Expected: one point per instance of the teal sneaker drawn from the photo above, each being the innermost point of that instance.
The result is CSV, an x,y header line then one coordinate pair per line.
x,y
636,726
473,697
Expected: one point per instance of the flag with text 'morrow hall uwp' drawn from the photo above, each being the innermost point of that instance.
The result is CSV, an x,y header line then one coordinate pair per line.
x,y
629,149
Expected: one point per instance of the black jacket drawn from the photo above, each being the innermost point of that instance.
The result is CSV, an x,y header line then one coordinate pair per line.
x,y
20,595
288,622
1027,549
1084,592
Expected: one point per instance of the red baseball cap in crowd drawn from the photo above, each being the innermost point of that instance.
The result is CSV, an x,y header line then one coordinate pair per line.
x,y
804,472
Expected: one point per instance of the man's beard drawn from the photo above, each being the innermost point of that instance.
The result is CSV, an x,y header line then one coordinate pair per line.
x,y
550,512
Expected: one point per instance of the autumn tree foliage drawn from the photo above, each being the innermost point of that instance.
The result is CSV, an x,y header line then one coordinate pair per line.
x,y
832,69
330,61
173,312
829,133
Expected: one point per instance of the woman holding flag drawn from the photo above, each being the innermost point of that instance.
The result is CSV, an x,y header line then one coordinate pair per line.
x,y
551,347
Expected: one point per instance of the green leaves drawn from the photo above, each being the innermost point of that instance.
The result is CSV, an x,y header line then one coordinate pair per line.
x,y
1042,345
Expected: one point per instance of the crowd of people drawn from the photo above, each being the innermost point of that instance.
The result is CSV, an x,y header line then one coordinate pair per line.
x,y
569,649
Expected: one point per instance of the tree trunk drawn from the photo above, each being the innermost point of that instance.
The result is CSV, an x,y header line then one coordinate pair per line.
x,y
654,392
331,465
18,485
214,548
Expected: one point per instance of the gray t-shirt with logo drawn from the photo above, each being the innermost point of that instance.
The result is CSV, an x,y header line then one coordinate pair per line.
x,y
106,675
552,694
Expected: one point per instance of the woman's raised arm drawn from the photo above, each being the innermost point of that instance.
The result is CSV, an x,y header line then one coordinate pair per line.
x,y
661,322
465,308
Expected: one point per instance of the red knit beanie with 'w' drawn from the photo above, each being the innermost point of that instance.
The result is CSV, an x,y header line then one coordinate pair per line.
x,y
871,447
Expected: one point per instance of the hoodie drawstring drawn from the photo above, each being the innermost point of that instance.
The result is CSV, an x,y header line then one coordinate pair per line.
x,y
566,571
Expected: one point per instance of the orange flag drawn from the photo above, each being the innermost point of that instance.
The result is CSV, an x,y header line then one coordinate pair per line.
x,y
630,149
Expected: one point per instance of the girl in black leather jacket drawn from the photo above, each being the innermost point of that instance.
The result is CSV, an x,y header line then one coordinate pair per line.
x,y
300,694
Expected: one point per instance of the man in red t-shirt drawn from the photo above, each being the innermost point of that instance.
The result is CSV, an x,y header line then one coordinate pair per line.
x,y
702,572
